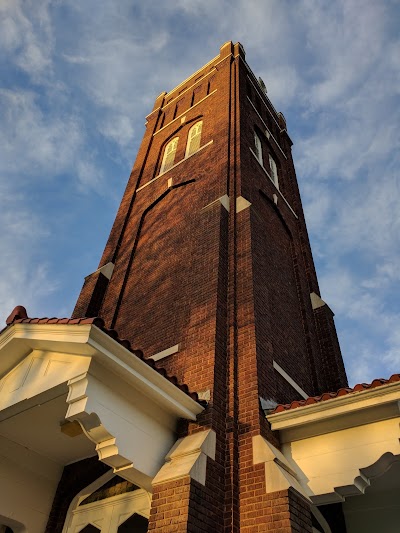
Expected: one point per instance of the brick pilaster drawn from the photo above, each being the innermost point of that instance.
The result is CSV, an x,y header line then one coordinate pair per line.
x,y
277,512
186,506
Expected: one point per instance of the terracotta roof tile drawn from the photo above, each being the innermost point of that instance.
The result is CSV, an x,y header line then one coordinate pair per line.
x,y
330,395
19,316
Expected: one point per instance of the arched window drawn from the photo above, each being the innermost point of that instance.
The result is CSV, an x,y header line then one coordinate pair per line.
x,y
103,507
194,138
274,171
258,148
169,155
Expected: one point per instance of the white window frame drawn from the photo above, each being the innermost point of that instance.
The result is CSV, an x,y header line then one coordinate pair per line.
x,y
274,171
110,513
105,514
258,148
169,155
194,138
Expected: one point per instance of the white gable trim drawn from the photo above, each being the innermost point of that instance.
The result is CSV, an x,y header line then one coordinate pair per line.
x,y
20,340
52,373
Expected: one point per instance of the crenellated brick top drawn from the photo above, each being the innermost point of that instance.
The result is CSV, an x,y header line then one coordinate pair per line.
x,y
331,395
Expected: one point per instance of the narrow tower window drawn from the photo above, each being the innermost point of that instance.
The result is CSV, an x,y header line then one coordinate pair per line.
x,y
258,148
194,138
274,171
169,155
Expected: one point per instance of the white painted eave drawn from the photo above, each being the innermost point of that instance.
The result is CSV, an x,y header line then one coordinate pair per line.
x,y
357,408
138,373
17,341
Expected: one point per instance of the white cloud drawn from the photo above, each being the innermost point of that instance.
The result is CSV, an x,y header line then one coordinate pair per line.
x,y
318,204
369,325
346,40
78,60
24,277
332,68
25,33
386,274
90,177
283,84
118,128
369,220
48,142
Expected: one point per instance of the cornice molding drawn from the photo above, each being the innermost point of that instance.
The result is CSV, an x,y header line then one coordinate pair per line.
x,y
367,401
19,340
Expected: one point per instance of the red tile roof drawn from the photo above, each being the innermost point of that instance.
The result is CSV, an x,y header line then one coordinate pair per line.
x,y
330,395
19,316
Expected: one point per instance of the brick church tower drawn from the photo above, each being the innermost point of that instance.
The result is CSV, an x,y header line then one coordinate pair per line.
x,y
193,389
208,271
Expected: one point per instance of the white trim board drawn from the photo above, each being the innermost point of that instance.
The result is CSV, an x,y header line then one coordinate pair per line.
x,y
165,353
273,183
291,381
179,163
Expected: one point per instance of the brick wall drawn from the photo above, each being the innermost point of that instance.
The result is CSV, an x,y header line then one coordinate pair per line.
x,y
278,512
333,370
232,289
185,505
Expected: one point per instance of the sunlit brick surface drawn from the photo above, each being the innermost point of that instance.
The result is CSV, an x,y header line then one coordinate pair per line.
x,y
231,288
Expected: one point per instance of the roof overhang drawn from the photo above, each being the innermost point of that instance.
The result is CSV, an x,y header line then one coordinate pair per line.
x,y
19,340
334,449
350,410
68,391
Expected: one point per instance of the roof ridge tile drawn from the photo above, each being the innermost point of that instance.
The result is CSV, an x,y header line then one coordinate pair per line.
x,y
359,387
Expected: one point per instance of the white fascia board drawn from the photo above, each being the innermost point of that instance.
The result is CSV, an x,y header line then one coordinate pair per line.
x,y
290,380
138,373
17,341
165,353
20,339
355,408
68,333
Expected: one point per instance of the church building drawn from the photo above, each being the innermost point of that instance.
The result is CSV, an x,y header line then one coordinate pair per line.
x,y
199,385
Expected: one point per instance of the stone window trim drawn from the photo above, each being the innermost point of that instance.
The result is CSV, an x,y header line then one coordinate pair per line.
x,y
267,131
274,170
176,164
184,113
272,181
258,148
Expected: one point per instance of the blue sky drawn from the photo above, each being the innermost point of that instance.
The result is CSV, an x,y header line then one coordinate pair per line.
x,y
78,78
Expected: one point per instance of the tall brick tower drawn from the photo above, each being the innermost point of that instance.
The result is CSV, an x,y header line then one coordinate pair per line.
x,y
208,270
